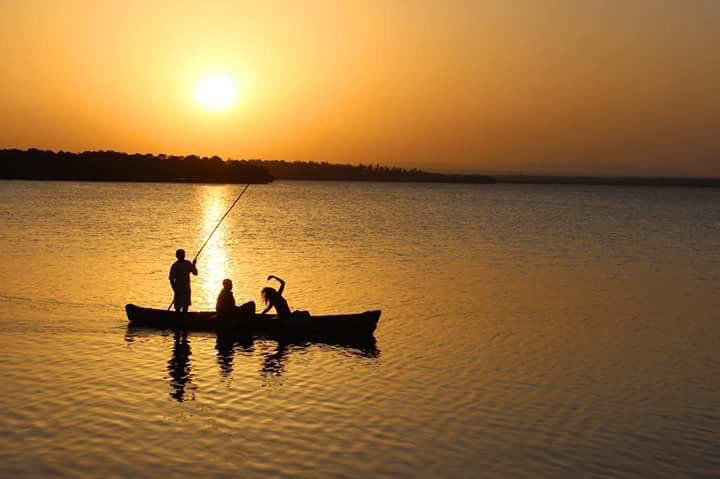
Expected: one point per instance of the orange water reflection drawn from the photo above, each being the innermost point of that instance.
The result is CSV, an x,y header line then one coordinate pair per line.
x,y
273,354
213,262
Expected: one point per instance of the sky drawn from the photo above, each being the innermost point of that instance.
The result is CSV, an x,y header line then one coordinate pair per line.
x,y
611,87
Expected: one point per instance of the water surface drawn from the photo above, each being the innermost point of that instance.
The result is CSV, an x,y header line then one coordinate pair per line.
x,y
527,331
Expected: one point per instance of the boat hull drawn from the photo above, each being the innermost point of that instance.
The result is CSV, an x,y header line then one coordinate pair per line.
x,y
328,325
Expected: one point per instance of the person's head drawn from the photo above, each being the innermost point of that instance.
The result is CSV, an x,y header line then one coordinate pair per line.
x,y
180,254
227,284
269,294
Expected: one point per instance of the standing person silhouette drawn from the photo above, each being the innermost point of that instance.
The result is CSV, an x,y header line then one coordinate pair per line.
x,y
180,281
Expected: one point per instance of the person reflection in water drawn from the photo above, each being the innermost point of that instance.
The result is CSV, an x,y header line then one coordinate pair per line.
x,y
225,305
180,281
274,299
179,366
274,363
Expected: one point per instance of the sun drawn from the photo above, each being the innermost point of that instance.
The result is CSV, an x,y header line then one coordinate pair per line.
x,y
216,92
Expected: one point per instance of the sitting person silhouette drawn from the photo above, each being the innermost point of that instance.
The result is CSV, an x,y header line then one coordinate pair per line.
x,y
274,299
225,305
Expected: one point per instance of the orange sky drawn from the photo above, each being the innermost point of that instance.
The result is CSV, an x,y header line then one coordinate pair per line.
x,y
551,86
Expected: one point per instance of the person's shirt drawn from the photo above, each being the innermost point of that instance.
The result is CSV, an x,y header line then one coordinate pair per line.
x,y
225,302
180,273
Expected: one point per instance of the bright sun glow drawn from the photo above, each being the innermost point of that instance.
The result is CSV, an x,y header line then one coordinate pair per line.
x,y
216,92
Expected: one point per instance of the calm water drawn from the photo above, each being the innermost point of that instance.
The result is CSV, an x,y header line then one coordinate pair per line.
x,y
527,331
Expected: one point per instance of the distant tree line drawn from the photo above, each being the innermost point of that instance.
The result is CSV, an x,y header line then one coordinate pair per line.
x,y
304,170
36,164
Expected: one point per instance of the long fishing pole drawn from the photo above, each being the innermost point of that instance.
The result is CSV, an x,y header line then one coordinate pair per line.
x,y
215,229
221,220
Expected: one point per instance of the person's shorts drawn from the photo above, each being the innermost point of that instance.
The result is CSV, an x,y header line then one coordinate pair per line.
x,y
182,298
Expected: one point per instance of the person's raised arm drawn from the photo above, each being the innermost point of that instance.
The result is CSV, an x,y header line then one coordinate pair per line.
x,y
194,270
282,283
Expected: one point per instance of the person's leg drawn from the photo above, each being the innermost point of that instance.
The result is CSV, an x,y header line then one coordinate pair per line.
x,y
184,299
247,309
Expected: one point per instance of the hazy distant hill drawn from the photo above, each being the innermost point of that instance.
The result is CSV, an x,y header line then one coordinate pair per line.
x,y
610,180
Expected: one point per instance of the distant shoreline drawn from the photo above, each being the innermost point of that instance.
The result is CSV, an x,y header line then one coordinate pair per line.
x,y
44,165
663,182
658,181
111,166
113,180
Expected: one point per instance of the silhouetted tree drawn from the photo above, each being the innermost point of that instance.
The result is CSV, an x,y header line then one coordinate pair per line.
x,y
36,164
301,170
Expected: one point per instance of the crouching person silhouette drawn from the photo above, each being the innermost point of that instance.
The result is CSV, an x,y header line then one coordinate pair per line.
x,y
274,299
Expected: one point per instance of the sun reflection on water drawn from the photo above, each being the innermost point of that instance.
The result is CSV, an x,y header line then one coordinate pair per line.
x,y
213,264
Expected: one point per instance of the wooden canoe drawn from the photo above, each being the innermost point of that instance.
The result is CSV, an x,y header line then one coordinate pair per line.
x,y
329,325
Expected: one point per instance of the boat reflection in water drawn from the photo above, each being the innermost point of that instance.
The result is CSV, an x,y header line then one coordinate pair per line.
x,y
227,345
